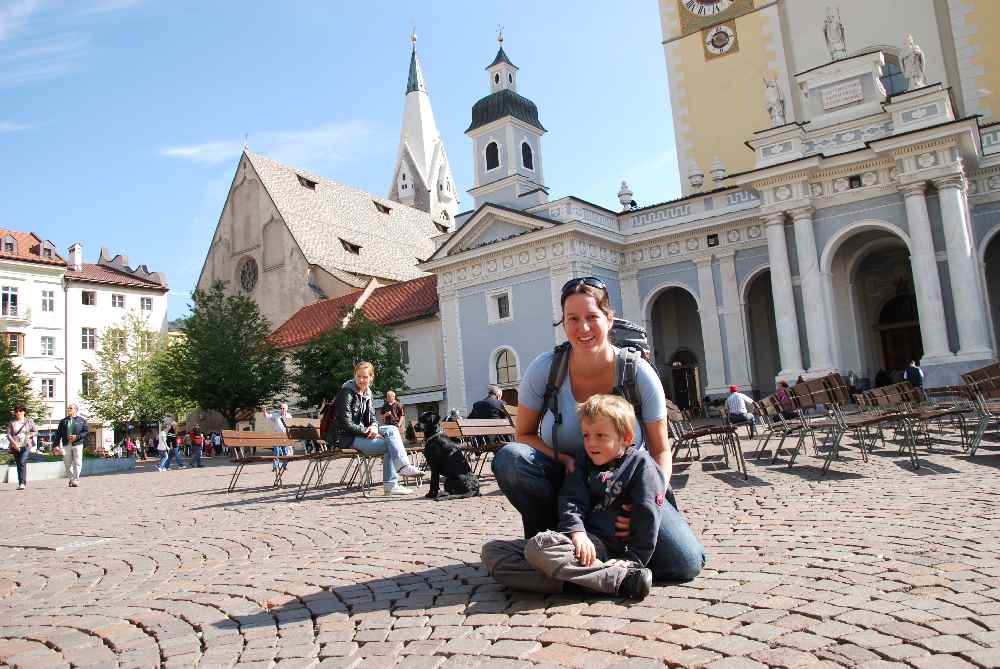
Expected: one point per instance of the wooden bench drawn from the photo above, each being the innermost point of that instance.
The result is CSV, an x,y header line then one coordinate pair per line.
x,y
478,438
242,444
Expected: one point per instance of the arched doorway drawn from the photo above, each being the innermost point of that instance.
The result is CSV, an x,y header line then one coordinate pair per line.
x,y
678,348
899,327
762,333
875,319
991,269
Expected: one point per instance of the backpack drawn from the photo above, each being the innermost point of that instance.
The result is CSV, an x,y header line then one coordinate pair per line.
x,y
625,384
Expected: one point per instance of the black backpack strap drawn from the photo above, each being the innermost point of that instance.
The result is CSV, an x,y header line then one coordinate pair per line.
x,y
550,401
627,371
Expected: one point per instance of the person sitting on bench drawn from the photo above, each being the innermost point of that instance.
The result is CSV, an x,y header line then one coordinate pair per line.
x,y
358,429
740,407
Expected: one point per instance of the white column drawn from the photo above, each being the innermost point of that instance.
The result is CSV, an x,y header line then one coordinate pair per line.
x,y
631,305
451,330
783,297
732,315
813,296
923,265
711,334
962,263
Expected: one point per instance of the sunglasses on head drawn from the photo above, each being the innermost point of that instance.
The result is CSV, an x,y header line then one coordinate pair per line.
x,y
572,285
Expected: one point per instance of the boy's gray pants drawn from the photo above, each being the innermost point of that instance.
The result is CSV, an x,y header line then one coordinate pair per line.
x,y
546,561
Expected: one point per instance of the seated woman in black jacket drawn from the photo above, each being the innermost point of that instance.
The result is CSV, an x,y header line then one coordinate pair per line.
x,y
357,428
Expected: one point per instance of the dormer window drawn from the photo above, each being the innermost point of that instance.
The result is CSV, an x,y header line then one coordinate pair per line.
x,y
381,207
440,227
46,253
306,183
9,244
350,248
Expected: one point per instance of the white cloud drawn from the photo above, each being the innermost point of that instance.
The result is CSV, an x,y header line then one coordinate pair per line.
x,y
13,126
332,142
14,14
42,59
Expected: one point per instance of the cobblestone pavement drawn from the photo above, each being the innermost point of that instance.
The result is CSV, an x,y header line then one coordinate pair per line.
x,y
874,565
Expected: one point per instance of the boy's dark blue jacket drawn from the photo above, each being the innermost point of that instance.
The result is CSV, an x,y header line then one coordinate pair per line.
x,y
592,497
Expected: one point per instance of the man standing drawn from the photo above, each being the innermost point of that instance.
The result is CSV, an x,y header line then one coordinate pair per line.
x,y
491,406
279,423
740,409
914,375
70,435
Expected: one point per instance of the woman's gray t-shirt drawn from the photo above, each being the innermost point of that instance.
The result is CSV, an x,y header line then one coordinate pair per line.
x,y
531,394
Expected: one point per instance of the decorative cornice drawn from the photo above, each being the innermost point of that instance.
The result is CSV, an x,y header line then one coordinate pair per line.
x,y
802,213
957,181
912,189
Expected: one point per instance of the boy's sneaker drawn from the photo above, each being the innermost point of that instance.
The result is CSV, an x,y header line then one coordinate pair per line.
x,y
636,584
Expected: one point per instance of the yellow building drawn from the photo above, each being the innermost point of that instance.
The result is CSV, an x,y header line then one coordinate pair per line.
x,y
719,52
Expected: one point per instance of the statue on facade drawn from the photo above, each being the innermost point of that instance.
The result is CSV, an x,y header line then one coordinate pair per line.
x,y
913,62
774,102
833,31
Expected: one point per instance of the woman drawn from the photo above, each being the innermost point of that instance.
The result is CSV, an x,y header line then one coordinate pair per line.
x,y
358,429
21,433
785,400
527,470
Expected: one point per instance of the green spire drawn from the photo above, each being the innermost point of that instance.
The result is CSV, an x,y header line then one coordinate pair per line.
x,y
415,82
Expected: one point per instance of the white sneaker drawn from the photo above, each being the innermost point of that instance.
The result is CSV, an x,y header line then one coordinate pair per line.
x,y
398,490
410,470
21,486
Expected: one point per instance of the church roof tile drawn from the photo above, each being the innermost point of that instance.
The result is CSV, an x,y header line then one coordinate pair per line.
x,y
90,273
387,305
390,235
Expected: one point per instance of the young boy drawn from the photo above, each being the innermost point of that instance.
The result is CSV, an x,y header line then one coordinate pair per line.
x,y
585,551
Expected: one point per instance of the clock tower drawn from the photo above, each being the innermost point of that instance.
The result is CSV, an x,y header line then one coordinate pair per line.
x,y
718,53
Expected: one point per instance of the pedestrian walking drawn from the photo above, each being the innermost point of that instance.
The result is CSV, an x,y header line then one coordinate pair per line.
x,y
70,435
197,446
279,423
21,434
162,450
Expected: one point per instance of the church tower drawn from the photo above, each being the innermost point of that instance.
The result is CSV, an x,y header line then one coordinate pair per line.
x,y
422,178
506,142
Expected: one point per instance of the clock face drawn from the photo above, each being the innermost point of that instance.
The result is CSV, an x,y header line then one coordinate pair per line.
x,y
707,7
719,40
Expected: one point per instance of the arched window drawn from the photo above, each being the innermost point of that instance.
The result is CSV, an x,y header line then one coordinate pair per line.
x,y
506,366
492,156
526,158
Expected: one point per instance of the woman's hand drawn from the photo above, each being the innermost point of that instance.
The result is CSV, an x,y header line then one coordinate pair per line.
x,y
568,461
585,550
623,524
372,432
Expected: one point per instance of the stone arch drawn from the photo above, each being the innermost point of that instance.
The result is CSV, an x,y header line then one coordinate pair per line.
x,y
989,275
492,362
761,328
848,231
674,325
274,244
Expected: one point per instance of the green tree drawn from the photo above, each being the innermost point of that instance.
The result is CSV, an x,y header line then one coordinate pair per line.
x,y
123,385
15,388
224,362
325,363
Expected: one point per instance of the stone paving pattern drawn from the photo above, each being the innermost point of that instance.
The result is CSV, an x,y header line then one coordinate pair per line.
x,y
873,566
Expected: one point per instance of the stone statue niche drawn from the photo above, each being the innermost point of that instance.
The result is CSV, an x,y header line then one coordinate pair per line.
x,y
774,102
913,62
833,32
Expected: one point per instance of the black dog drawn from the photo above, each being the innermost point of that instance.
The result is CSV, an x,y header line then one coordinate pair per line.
x,y
445,459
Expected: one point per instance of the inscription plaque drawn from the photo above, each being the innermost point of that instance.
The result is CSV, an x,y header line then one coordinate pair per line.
x,y
842,94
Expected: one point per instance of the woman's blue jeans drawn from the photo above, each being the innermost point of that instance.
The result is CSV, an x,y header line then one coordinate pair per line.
x,y
390,446
531,480
164,458
21,460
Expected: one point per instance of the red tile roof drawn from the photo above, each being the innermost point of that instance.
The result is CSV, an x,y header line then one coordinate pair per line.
x,y
29,248
91,273
387,305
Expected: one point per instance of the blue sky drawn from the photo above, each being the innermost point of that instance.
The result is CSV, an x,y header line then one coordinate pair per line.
x,y
122,121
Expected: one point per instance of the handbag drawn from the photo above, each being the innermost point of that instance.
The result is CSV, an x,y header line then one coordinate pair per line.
x,y
13,447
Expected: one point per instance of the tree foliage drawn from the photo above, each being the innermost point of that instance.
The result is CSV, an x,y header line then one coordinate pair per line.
x,y
325,363
15,388
224,361
124,384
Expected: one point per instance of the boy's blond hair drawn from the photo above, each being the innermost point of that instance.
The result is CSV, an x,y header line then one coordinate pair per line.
x,y
616,409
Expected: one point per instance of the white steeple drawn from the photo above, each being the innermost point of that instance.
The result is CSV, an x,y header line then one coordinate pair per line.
x,y
422,177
